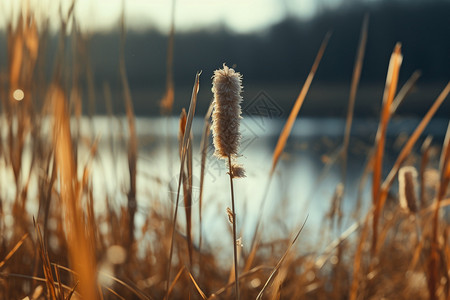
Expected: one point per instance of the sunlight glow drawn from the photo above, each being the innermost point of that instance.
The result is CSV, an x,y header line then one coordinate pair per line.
x,y
103,15
18,95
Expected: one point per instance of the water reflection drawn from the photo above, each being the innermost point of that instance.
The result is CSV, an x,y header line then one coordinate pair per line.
x,y
303,184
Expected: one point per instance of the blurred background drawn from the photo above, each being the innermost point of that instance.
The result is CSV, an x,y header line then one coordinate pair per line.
x,y
271,42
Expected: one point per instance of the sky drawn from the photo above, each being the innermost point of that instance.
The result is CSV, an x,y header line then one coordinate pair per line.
x,y
238,15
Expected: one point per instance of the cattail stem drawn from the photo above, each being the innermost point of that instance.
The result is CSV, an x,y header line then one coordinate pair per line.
x,y
236,278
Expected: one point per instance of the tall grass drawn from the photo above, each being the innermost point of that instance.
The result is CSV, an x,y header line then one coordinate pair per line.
x,y
55,243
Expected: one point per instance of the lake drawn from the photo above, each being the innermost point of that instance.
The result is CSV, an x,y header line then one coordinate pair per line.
x,y
302,184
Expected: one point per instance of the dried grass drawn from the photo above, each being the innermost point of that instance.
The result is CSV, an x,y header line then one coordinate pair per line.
x,y
64,254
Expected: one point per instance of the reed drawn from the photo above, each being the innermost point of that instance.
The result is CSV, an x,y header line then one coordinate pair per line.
x,y
62,239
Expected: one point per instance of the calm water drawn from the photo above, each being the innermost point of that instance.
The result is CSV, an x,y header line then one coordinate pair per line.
x,y
300,186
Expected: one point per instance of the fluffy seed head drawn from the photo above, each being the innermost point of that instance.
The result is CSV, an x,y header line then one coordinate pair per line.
x,y
237,171
407,188
227,87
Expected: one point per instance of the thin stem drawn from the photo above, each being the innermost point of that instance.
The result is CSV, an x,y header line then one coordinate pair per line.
x,y
236,277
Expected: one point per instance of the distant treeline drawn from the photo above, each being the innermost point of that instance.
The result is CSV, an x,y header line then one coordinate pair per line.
x,y
280,55
285,52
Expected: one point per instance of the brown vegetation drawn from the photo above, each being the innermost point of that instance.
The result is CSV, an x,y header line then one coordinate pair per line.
x,y
72,251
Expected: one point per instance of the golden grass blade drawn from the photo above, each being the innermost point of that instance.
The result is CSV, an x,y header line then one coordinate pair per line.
x,y
186,140
281,143
235,266
35,278
187,197
175,280
204,149
132,142
434,260
186,179
241,276
115,293
380,140
254,244
199,290
281,260
389,92
80,251
425,149
58,282
445,156
181,130
13,250
298,104
72,291
45,264
166,102
327,253
357,260
131,288
353,89
404,91
406,150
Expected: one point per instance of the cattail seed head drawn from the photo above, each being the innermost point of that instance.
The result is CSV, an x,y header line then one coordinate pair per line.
x,y
407,188
227,87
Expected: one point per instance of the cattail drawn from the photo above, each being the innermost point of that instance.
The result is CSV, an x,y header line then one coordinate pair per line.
x,y
227,87
407,186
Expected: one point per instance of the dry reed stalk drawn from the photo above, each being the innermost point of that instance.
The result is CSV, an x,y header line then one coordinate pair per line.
x,y
280,262
280,277
177,277
181,129
298,104
58,282
129,286
187,182
38,279
81,251
243,275
281,143
357,275
185,146
353,89
335,212
91,84
132,142
425,149
197,287
434,261
236,261
13,250
23,46
204,149
327,253
46,264
404,91
380,140
166,102
407,148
